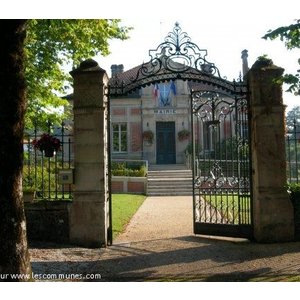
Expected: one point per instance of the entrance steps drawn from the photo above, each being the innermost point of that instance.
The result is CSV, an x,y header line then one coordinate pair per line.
x,y
169,180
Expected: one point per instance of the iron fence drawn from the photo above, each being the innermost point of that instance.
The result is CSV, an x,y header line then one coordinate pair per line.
x,y
293,152
42,171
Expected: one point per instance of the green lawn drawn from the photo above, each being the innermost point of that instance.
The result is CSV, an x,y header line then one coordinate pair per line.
x,y
228,205
124,207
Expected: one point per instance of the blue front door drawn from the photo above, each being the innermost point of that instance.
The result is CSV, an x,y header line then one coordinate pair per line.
x,y
165,143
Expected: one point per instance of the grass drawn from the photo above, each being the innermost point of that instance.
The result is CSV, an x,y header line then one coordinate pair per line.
x,y
124,206
228,205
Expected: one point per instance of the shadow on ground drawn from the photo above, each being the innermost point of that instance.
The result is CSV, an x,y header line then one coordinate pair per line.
x,y
188,258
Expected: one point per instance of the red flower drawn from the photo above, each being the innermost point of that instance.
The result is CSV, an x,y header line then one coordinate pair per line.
x,y
47,142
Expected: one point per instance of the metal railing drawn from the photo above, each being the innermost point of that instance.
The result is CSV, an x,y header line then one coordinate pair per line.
x,y
293,152
41,173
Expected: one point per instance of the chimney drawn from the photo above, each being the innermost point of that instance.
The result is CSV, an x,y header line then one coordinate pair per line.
x,y
245,62
116,69
120,68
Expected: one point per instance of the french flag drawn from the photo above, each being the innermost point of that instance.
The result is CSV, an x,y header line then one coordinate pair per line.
x,y
173,87
155,91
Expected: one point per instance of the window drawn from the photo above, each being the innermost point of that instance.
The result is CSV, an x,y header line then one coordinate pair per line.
x,y
119,137
210,135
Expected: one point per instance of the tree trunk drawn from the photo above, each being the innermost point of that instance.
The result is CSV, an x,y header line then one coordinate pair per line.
x,y
14,256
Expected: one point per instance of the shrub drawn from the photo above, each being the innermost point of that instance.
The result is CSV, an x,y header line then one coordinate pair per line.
x,y
130,173
38,178
136,169
189,148
294,193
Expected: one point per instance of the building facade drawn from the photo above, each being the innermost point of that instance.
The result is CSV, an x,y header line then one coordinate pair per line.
x,y
152,123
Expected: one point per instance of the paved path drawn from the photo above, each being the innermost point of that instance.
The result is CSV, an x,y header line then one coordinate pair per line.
x,y
158,245
160,218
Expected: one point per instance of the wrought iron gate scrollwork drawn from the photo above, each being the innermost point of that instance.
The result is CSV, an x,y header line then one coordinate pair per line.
x,y
177,54
175,58
220,131
222,194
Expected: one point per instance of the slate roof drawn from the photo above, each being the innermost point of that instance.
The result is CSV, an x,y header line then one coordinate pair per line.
x,y
128,75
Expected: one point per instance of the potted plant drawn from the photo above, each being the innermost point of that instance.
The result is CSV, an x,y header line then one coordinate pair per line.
x,y
28,193
183,134
148,136
47,144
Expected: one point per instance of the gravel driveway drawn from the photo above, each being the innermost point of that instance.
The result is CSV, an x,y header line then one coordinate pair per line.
x,y
158,245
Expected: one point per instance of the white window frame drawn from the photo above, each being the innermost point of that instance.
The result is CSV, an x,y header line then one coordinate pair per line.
x,y
120,131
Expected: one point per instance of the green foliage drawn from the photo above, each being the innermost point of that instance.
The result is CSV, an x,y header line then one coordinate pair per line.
x,y
265,59
294,191
189,148
227,204
233,148
293,118
132,169
52,46
129,173
43,176
290,35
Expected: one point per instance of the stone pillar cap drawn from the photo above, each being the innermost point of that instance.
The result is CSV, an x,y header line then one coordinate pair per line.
x,y
265,63
88,65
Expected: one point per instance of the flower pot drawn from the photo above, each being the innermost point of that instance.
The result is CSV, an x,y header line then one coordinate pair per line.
x,y
28,196
49,152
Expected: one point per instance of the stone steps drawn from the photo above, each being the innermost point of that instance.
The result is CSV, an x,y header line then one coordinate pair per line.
x,y
169,180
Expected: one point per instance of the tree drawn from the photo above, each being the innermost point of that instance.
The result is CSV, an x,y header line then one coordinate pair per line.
x,y
49,44
14,257
52,48
290,35
293,117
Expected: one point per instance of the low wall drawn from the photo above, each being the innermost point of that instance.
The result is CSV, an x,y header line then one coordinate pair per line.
x,y
123,184
48,221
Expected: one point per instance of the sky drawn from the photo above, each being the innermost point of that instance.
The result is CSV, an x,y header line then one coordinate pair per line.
x,y
223,28
224,38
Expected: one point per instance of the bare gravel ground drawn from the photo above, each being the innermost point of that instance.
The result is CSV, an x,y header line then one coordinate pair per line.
x,y
158,245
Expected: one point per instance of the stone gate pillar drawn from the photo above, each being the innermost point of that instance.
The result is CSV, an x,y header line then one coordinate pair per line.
x,y
273,216
89,211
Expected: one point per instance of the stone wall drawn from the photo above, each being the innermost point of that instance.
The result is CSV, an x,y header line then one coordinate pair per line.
x,y
48,221
123,184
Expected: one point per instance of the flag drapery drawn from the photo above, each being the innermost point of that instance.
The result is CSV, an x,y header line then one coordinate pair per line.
x,y
155,91
162,92
173,87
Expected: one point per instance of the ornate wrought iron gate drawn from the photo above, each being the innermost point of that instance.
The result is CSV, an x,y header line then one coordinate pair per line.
x,y
219,110
221,187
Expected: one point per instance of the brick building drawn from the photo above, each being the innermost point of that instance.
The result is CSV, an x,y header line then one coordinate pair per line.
x,y
154,122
